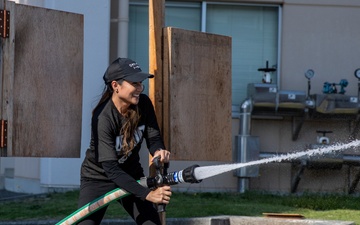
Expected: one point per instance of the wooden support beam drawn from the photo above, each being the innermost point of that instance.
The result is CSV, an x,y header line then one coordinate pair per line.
x,y
156,24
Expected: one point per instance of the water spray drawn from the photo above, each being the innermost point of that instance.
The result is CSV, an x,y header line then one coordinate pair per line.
x,y
193,174
204,172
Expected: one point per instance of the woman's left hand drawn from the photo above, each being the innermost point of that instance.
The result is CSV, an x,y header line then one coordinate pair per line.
x,y
164,155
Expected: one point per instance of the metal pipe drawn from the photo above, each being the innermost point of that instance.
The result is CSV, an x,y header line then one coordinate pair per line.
x,y
244,134
352,159
123,28
245,117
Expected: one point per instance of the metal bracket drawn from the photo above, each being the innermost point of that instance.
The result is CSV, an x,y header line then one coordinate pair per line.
x,y
4,23
354,127
354,183
296,127
296,180
3,133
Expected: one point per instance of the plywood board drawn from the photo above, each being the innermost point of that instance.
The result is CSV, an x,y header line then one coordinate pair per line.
x,y
42,96
197,95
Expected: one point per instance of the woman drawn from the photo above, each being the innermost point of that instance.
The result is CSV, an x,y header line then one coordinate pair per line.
x,y
121,120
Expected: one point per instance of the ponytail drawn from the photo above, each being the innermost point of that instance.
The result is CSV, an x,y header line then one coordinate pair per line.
x,y
107,93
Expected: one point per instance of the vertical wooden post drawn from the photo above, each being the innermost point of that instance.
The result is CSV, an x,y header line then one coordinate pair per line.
x,y
156,24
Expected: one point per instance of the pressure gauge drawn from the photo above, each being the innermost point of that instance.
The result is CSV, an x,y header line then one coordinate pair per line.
x,y
310,73
357,73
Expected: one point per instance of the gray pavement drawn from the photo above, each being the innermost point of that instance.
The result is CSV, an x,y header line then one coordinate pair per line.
x,y
13,196
8,195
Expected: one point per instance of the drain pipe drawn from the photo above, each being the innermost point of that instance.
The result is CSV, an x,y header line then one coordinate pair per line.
x,y
247,146
123,28
245,117
244,131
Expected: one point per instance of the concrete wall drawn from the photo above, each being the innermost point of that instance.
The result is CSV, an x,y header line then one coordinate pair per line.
x,y
321,35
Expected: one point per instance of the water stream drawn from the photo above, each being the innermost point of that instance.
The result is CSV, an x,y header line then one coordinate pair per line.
x,y
203,172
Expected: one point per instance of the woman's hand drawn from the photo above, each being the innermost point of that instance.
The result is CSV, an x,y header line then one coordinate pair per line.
x,y
164,155
160,195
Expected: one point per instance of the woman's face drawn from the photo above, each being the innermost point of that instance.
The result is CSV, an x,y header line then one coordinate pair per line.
x,y
128,92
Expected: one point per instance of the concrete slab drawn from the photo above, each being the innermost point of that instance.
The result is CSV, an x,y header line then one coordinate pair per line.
x,y
240,220
218,220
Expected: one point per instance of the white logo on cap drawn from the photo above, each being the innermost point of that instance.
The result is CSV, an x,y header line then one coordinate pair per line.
x,y
134,66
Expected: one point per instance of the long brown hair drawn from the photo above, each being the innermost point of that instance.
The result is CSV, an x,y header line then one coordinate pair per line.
x,y
129,123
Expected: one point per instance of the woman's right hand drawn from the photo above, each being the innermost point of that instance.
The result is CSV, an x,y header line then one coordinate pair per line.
x,y
160,195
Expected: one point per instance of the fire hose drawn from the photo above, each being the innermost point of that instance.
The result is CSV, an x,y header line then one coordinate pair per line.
x,y
161,178
193,174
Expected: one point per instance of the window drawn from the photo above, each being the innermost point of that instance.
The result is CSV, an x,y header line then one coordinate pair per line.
x,y
253,28
181,15
254,41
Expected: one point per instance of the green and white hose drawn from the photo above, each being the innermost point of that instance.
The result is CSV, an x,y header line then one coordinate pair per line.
x,y
186,175
93,206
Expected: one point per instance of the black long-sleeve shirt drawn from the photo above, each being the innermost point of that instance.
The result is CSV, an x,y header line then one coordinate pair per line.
x,y
104,161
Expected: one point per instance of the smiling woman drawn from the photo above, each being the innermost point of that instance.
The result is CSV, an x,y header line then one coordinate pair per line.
x,y
122,119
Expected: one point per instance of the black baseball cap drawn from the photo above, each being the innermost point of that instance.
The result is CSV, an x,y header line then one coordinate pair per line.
x,y
125,69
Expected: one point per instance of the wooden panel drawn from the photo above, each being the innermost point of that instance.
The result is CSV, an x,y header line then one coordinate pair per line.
x,y
197,74
43,91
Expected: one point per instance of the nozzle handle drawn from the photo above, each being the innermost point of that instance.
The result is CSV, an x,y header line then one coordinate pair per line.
x,y
158,164
161,208
156,161
161,169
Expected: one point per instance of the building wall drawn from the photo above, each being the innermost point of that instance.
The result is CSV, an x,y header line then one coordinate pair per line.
x,y
321,35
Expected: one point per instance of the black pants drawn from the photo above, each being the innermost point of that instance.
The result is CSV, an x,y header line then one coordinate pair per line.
x,y
143,212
